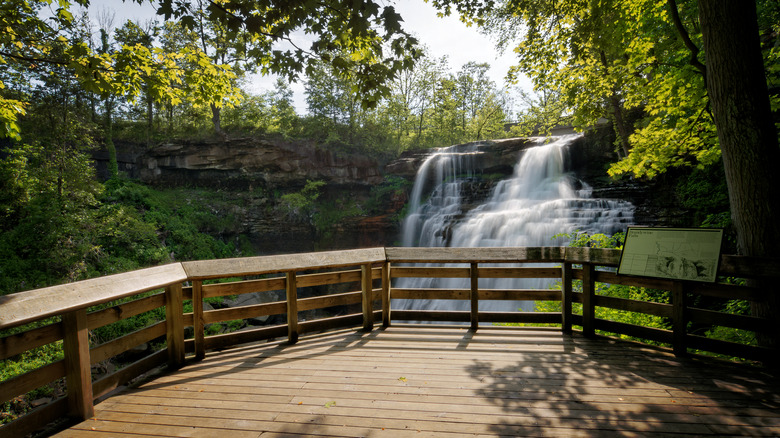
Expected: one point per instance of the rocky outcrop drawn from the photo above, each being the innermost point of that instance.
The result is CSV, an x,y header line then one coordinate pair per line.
x,y
655,201
278,167
495,156
247,162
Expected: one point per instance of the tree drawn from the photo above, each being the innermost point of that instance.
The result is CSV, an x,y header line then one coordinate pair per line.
x,y
335,107
427,72
240,50
540,113
367,39
106,21
409,107
696,104
488,121
474,86
359,39
614,59
481,105
206,67
283,116
332,101
142,37
748,139
446,117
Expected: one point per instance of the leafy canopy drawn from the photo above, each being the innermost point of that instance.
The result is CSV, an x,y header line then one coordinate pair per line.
x,y
638,63
367,38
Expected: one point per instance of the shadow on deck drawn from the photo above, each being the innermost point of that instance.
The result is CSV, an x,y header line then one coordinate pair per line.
x,y
445,381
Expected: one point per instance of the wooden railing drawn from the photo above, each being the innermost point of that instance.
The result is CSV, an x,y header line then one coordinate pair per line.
x,y
358,281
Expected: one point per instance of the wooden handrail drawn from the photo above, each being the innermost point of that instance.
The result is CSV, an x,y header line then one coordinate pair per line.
x,y
371,271
202,270
23,307
550,254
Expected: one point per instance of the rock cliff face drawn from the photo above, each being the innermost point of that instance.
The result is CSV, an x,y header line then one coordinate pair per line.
x,y
276,167
255,172
241,163
498,156
655,201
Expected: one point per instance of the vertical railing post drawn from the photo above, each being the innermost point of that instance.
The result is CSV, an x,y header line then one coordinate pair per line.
x,y
679,323
367,286
198,324
386,294
474,296
78,372
174,321
292,307
588,300
566,297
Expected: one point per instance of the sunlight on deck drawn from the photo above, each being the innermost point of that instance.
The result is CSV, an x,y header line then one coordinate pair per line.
x,y
444,381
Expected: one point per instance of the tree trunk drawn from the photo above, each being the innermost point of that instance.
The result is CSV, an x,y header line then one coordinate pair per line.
x,y
618,120
170,119
215,117
620,124
420,126
113,164
738,94
149,119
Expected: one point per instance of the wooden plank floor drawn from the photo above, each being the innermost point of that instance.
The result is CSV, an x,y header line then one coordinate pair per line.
x,y
435,381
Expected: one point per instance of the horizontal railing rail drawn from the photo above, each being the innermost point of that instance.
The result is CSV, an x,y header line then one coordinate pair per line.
x,y
351,288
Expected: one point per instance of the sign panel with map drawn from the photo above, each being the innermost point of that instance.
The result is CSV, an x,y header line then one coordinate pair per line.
x,y
676,253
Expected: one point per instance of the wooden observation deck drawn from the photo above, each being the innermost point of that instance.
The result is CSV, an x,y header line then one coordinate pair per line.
x,y
366,374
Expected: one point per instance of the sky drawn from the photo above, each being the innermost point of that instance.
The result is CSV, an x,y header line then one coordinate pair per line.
x,y
443,36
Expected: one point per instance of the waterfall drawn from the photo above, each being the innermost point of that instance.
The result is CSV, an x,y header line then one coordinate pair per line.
x,y
540,200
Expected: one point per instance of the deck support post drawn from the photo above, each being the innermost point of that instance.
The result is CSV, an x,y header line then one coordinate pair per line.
x,y
588,300
198,324
78,372
566,297
292,307
367,286
474,295
386,294
174,320
679,323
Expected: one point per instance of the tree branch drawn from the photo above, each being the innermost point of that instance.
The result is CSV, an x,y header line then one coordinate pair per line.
x,y
693,48
59,63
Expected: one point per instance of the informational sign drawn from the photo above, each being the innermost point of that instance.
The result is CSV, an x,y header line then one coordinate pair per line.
x,y
676,253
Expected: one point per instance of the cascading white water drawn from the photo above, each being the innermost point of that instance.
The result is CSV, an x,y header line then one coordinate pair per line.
x,y
445,171
539,201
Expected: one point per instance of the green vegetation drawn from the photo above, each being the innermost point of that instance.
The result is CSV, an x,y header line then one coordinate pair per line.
x,y
121,226
629,55
301,205
666,74
204,50
580,239
327,214
28,361
392,189
70,83
183,78
739,307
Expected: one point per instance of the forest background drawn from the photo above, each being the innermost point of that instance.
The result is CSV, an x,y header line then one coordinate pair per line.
x,y
61,223
71,83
